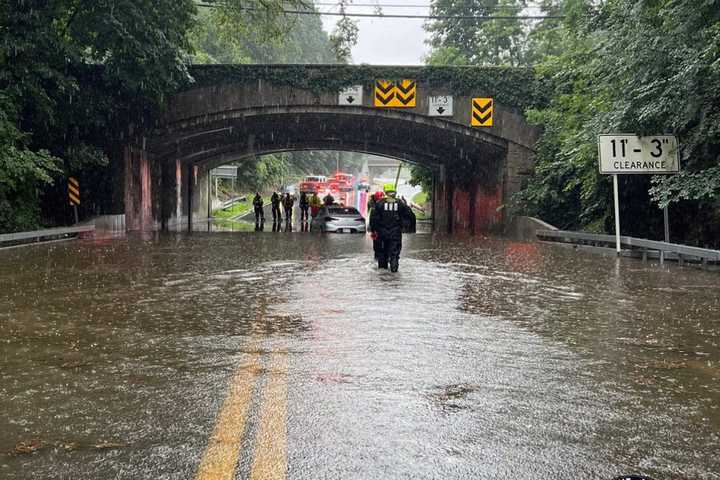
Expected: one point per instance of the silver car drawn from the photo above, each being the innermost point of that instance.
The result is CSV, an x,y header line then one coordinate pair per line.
x,y
335,218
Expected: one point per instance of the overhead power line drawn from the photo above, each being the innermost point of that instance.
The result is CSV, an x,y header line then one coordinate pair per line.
x,y
418,17
426,5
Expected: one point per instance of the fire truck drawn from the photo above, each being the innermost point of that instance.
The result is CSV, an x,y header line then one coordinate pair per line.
x,y
314,184
341,186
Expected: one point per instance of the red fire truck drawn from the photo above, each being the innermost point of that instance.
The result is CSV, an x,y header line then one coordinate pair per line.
x,y
314,184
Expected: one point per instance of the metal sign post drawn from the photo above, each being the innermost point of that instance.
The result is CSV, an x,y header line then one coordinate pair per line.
x,y
630,154
666,221
617,214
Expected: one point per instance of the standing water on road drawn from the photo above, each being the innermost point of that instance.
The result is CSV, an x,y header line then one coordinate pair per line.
x,y
253,355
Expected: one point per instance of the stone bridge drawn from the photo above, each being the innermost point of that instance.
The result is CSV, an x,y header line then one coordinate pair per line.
x,y
233,112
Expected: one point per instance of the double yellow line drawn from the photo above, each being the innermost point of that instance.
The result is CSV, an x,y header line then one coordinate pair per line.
x,y
270,447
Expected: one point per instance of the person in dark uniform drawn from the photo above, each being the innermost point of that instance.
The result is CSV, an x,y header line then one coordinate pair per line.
x,y
258,205
275,202
288,203
304,207
386,225
328,200
374,198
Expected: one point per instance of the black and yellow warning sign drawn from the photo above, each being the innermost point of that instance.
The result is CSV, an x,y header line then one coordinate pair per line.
x,y
73,191
402,94
482,112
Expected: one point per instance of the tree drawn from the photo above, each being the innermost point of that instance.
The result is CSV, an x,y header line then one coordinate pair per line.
x,y
477,41
59,107
641,67
78,77
222,36
344,37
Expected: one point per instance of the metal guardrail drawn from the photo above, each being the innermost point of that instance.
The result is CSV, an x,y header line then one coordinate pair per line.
x,y
229,203
704,255
20,238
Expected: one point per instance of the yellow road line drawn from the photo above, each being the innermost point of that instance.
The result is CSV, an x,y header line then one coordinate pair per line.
x,y
223,450
270,461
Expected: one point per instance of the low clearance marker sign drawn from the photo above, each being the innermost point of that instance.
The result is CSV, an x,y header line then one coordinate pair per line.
x,y
629,154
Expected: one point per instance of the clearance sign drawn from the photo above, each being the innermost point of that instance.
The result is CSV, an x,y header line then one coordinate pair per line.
x,y
623,154
630,154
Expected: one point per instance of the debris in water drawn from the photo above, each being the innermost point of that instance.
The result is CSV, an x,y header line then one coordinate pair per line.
x,y
31,446
103,445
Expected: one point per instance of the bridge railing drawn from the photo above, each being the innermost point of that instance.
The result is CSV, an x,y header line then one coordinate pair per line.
x,y
664,249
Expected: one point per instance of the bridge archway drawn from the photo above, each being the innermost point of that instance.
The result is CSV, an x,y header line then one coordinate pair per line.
x,y
475,169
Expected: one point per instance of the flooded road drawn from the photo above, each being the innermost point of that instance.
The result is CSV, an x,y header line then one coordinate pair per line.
x,y
289,355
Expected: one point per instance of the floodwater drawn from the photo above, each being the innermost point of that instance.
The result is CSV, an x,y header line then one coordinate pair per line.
x,y
289,355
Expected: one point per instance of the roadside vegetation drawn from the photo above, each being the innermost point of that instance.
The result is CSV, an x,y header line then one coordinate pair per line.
x,y
645,67
238,208
61,115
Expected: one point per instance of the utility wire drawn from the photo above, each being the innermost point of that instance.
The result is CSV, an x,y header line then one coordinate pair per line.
x,y
427,5
420,17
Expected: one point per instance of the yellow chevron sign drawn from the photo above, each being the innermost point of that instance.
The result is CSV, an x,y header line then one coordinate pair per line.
x,y
73,191
482,112
400,94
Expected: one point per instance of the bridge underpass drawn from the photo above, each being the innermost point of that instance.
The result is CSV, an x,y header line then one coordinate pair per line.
x,y
475,169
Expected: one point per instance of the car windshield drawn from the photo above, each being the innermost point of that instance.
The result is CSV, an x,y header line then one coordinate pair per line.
x,y
343,211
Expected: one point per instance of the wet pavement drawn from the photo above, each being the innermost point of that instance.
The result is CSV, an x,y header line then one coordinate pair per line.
x,y
289,355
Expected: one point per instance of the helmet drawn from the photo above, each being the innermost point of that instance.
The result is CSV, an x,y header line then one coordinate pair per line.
x,y
389,188
378,195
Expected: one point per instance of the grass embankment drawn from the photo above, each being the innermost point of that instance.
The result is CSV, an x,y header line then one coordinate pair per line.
x,y
237,209
421,199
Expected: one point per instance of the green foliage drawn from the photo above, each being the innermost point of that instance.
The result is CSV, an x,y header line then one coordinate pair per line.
x,y
22,173
423,177
626,66
69,110
473,41
222,36
344,37
237,209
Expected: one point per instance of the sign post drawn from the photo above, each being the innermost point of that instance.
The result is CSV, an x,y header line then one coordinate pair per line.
x,y
616,201
626,154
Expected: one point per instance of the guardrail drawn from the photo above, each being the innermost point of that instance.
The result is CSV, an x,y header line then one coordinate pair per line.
x,y
229,203
50,234
665,250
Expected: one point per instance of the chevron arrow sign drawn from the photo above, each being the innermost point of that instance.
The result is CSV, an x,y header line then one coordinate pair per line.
x,y
482,112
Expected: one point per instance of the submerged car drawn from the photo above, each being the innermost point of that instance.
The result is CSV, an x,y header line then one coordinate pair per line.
x,y
335,218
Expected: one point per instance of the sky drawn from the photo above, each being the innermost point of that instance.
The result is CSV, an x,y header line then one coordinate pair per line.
x,y
386,41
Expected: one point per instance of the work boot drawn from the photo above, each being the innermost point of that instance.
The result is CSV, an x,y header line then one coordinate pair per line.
x,y
394,264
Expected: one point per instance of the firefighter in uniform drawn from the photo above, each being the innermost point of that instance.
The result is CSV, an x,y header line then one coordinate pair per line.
x,y
315,204
304,207
275,201
386,224
258,206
